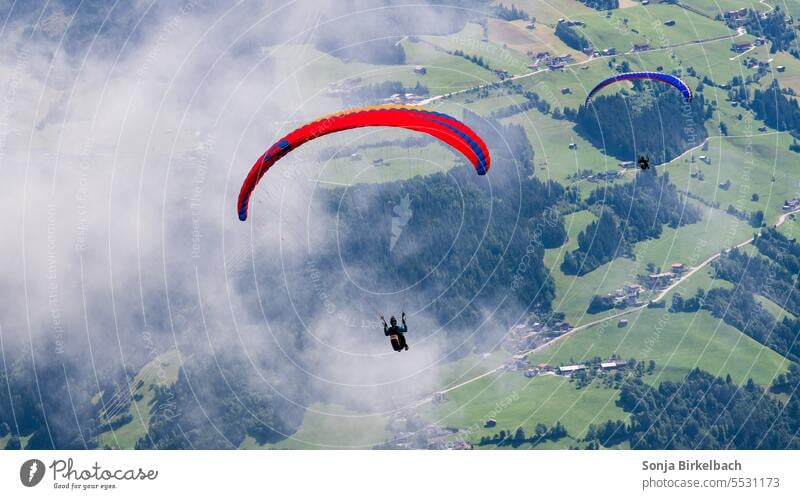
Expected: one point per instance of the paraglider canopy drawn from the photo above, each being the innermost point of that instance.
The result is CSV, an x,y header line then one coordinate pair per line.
x,y
643,75
441,126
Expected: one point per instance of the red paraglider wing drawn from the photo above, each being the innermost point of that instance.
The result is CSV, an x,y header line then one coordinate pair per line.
x,y
441,126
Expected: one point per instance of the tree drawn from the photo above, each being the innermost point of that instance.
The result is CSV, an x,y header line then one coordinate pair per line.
x,y
757,218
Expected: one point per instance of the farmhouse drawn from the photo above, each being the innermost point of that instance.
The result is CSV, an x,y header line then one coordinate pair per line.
x,y
791,204
570,369
678,268
621,323
420,70
741,46
639,47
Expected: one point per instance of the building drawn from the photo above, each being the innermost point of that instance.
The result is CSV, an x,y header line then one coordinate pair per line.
x,y
565,91
627,164
378,162
791,204
780,69
639,47
741,46
573,145
530,373
613,364
490,423
735,14
678,268
671,22
621,323
420,70
570,369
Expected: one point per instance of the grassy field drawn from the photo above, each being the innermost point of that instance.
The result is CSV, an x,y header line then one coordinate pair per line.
x,y
163,370
690,245
400,163
773,308
445,72
713,7
750,164
543,399
554,159
549,11
790,78
677,343
645,24
470,42
331,426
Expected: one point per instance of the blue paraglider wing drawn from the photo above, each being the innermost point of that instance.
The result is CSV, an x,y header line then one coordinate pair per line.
x,y
644,75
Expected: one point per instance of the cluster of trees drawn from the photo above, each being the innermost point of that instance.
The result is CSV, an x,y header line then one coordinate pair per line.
x,y
631,368
541,433
224,408
599,243
782,250
601,4
705,412
510,13
755,218
656,123
571,37
600,304
645,205
371,94
607,434
532,101
475,59
34,402
776,110
774,26
740,309
763,276
629,213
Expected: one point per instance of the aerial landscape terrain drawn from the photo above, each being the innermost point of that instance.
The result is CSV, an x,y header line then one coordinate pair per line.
x,y
568,299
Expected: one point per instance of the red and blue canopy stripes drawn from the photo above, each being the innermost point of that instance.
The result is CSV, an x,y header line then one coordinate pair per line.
x,y
441,126
644,75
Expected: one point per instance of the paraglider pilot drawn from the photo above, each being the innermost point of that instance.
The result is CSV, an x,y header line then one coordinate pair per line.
x,y
395,332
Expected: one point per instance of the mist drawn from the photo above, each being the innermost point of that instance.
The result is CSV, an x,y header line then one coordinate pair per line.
x,y
124,136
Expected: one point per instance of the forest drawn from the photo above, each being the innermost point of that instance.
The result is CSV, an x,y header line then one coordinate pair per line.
x,y
653,121
629,213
